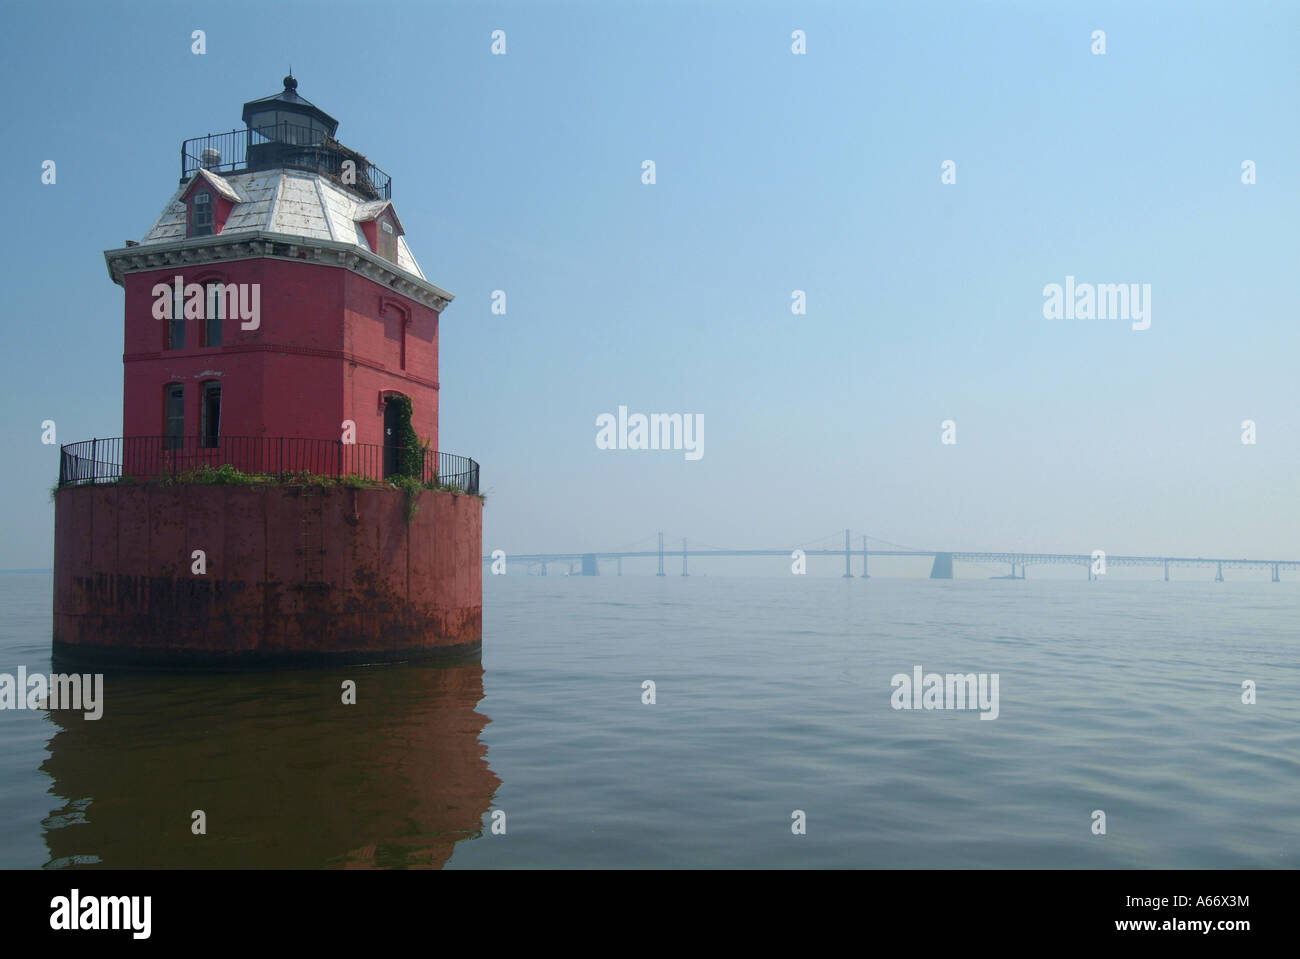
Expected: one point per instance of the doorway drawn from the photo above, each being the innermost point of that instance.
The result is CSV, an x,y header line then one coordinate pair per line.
x,y
392,436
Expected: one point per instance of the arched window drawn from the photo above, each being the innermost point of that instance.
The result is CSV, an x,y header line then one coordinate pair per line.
x,y
175,329
404,320
214,310
210,414
173,416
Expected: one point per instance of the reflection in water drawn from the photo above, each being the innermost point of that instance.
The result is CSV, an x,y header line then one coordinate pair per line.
x,y
287,775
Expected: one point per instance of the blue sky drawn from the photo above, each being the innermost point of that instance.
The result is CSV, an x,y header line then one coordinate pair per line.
x,y
775,172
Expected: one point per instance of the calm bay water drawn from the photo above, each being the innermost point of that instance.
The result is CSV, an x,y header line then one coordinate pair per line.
x,y
773,694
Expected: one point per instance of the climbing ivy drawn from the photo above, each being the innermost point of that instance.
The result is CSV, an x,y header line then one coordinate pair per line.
x,y
410,461
410,457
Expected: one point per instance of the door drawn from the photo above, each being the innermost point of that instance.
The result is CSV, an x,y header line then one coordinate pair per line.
x,y
392,423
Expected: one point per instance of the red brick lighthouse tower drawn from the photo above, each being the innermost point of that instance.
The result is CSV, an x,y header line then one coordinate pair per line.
x,y
277,494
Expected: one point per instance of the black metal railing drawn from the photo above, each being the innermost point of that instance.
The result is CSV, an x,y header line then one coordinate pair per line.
x,y
285,145
147,458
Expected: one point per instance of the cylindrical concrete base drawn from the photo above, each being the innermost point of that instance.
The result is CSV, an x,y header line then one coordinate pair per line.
x,y
206,575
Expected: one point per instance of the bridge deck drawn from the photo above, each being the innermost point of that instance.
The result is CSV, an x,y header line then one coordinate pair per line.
x,y
1019,559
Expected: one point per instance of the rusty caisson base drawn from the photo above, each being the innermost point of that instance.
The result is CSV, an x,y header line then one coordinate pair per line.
x,y
192,575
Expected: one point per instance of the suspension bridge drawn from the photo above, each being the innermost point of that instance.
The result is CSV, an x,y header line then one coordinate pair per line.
x,y
859,556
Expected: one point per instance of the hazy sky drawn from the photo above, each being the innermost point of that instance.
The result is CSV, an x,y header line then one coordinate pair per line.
x,y
775,172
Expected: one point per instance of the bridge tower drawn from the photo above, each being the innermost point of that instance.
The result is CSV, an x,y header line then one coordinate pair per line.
x,y
942,568
847,572
864,557
661,555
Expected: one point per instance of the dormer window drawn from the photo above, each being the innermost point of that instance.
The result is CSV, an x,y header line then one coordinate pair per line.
x,y
381,227
387,241
201,213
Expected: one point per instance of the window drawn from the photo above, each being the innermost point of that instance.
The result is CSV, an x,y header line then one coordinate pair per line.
x,y
176,325
174,413
214,312
201,213
211,415
387,241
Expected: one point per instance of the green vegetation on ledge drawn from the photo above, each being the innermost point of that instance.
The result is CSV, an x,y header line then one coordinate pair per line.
x,y
227,475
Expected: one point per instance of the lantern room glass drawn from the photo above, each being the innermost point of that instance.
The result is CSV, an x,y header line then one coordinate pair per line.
x,y
287,126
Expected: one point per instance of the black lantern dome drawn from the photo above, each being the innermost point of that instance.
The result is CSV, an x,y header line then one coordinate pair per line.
x,y
285,131
287,117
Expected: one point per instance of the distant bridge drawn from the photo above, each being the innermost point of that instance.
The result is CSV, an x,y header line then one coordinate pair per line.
x,y
941,567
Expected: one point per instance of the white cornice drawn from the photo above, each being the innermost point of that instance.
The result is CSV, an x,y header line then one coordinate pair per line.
x,y
278,246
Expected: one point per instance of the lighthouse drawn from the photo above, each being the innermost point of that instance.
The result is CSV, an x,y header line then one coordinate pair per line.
x,y
277,494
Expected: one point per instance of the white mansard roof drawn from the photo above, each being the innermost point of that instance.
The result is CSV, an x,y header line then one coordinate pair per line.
x,y
286,202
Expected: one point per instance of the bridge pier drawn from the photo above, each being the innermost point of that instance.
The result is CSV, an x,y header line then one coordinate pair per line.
x,y
1218,577
543,568
661,555
589,567
1276,577
684,573
1166,571
942,568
